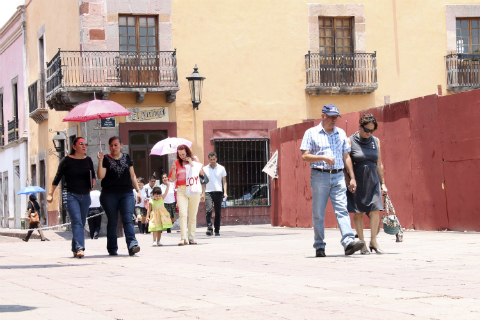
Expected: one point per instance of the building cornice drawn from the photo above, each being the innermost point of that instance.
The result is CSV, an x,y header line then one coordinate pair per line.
x,y
11,38
12,20
14,143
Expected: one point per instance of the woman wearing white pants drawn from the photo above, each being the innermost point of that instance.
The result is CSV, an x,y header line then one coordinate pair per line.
x,y
187,205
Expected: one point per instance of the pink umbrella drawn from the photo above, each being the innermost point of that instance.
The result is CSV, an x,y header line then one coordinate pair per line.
x,y
169,145
95,109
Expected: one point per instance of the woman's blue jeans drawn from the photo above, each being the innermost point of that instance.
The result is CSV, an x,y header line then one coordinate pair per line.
x,y
124,203
77,207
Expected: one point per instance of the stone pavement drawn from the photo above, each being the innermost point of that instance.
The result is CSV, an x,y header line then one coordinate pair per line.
x,y
249,272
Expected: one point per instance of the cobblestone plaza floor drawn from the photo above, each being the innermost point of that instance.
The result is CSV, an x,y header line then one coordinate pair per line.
x,y
249,272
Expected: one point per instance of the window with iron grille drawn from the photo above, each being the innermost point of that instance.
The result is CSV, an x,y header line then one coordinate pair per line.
x,y
244,160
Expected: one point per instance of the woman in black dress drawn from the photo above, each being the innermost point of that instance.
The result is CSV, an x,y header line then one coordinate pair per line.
x,y
79,175
368,169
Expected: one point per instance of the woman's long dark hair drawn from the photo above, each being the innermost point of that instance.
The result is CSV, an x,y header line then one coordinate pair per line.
x,y
33,198
72,152
187,150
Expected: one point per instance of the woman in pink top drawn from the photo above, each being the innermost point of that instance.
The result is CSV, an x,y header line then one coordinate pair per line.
x,y
185,203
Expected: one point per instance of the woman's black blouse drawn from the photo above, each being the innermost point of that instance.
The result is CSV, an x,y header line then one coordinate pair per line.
x,y
77,174
117,178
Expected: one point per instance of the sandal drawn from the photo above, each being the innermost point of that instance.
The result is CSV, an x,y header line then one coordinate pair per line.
x,y
74,254
80,254
182,242
191,242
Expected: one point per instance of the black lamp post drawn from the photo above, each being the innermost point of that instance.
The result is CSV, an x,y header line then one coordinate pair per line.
x,y
59,143
195,81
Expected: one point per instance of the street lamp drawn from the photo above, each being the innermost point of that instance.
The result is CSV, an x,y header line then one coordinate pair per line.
x,y
59,142
195,81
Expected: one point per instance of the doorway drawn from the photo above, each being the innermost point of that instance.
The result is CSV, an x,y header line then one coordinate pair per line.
x,y
43,195
2,217
6,212
141,143
17,203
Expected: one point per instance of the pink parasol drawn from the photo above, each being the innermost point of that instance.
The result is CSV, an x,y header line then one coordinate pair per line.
x,y
96,109
169,145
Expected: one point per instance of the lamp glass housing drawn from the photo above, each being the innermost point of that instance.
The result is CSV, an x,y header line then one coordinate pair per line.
x,y
59,142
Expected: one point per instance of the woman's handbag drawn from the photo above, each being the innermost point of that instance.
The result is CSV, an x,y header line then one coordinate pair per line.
x,y
204,179
193,184
34,218
390,222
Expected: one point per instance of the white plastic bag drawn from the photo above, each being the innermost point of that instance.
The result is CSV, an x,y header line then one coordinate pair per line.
x,y
194,187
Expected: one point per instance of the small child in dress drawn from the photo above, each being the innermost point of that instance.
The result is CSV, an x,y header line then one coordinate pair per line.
x,y
157,216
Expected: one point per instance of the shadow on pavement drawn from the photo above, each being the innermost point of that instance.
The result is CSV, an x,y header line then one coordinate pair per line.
x,y
352,256
39,266
15,308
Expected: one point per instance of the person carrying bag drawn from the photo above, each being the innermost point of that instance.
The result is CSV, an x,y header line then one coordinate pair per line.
x,y
185,172
33,215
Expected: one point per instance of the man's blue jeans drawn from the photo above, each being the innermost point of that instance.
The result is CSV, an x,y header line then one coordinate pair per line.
x,y
77,207
112,203
329,185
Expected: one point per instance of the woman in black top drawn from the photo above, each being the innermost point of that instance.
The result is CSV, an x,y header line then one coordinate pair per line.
x,y
118,180
79,175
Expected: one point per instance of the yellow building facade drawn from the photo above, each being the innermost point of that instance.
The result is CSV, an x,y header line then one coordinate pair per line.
x,y
267,64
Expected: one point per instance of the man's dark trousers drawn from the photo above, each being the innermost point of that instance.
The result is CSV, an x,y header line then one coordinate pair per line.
x,y
94,224
214,198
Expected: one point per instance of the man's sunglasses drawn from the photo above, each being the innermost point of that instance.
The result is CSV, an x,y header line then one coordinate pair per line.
x,y
368,130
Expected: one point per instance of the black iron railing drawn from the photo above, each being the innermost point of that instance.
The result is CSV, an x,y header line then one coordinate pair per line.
x,y
463,71
2,135
341,70
12,130
112,69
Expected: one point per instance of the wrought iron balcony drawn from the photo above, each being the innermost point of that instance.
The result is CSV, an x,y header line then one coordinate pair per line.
x,y
70,73
463,72
341,73
12,130
2,135
36,101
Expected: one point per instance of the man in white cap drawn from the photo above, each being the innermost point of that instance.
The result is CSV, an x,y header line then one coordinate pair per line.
x,y
326,148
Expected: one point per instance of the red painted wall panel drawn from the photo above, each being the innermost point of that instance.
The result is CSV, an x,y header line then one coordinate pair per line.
x,y
275,187
461,185
459,121
302,180
429,200
424,142
287,176
397,160
459,118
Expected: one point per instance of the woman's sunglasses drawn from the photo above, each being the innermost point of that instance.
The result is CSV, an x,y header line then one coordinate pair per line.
x,y
83,144
368,130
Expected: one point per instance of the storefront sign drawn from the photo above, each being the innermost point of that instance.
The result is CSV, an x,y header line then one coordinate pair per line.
x,y
108,122
153,114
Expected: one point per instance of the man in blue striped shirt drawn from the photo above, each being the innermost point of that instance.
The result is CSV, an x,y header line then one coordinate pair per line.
x,y
326,148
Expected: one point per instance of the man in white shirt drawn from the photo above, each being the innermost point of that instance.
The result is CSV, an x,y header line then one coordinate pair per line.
x,y
95,223
212,192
